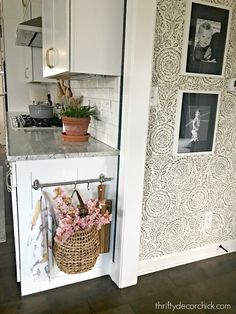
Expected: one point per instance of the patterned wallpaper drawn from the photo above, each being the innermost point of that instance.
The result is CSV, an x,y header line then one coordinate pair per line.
x,y
180,190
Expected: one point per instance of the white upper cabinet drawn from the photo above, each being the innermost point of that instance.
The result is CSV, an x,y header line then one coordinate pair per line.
x,y
31,9
82,36
55,37
36,9
34,66
26,6
33,56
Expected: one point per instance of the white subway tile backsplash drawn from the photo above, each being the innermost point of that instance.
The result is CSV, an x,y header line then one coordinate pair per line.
x,y
106,104
112,138
37,92
106,115
95,102
86,101
92,131
101,136
103,93
117,85
115,112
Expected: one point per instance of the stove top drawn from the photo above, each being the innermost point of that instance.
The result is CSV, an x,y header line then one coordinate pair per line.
x,y
25,121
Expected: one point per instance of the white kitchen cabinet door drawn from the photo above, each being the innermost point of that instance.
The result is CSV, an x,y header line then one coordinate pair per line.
x,y
25,3
36,8
60,36
27,13
28,74
55,37
28,58
33,56
57,170
47,21
31,9
96,36
34,66
37,66
82,37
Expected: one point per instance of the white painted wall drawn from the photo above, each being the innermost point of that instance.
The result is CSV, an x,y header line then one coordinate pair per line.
x,y
18,90
19,93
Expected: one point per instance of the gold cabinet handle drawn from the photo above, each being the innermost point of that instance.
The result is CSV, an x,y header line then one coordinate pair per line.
x,y
50,50
23,3
26,73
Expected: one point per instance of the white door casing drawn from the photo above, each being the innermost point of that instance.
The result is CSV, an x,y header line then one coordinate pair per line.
x,y
140,24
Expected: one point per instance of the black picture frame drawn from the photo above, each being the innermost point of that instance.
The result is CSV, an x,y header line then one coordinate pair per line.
x,y
196,122
205,39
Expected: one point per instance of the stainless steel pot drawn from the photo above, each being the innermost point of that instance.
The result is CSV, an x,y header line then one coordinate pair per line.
x,y
41,111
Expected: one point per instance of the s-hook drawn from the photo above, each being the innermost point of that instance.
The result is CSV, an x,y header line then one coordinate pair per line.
x,y
102,178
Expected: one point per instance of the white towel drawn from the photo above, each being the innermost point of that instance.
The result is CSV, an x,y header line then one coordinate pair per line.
x,y
43,226
51,228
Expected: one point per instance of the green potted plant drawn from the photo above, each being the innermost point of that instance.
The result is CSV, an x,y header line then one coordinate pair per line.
x,y
75,117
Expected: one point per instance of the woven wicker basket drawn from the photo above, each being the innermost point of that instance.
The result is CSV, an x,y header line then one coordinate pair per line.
x,y
79,253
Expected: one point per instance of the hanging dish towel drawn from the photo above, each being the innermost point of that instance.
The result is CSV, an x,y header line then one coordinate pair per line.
x,y
38,243
41,238
51,223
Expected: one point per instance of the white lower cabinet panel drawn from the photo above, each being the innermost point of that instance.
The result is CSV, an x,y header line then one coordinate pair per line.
x,y
15,219
59,170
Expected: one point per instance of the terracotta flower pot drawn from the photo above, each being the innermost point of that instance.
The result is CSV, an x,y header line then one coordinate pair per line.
x,y
76,126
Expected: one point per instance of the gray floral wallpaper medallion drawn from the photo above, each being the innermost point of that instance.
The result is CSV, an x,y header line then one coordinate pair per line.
x,y
179,190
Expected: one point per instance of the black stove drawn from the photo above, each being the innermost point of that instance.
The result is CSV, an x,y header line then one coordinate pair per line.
x,y
26,121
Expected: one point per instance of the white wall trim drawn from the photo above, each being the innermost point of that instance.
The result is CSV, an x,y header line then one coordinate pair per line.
x,y
140,26
185,257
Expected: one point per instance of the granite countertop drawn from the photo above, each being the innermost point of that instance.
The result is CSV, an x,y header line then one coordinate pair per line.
x,y
47,144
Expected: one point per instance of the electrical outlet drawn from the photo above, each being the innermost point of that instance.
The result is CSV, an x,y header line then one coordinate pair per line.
x,y
208,220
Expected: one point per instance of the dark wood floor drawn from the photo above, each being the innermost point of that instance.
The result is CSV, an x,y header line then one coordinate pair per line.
x,y
212,280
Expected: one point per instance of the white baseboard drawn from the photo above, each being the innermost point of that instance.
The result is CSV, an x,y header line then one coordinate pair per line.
x,y
185,257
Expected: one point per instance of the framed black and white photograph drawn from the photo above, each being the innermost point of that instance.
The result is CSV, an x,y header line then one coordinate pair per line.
x,y
206,38
196,122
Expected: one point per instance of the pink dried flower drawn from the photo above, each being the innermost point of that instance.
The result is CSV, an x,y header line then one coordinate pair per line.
x,y
69,220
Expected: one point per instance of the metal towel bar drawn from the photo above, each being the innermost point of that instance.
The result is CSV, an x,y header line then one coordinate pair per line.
x,y
37,185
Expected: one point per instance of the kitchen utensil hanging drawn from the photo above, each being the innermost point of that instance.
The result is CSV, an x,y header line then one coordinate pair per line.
x,y
105,205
